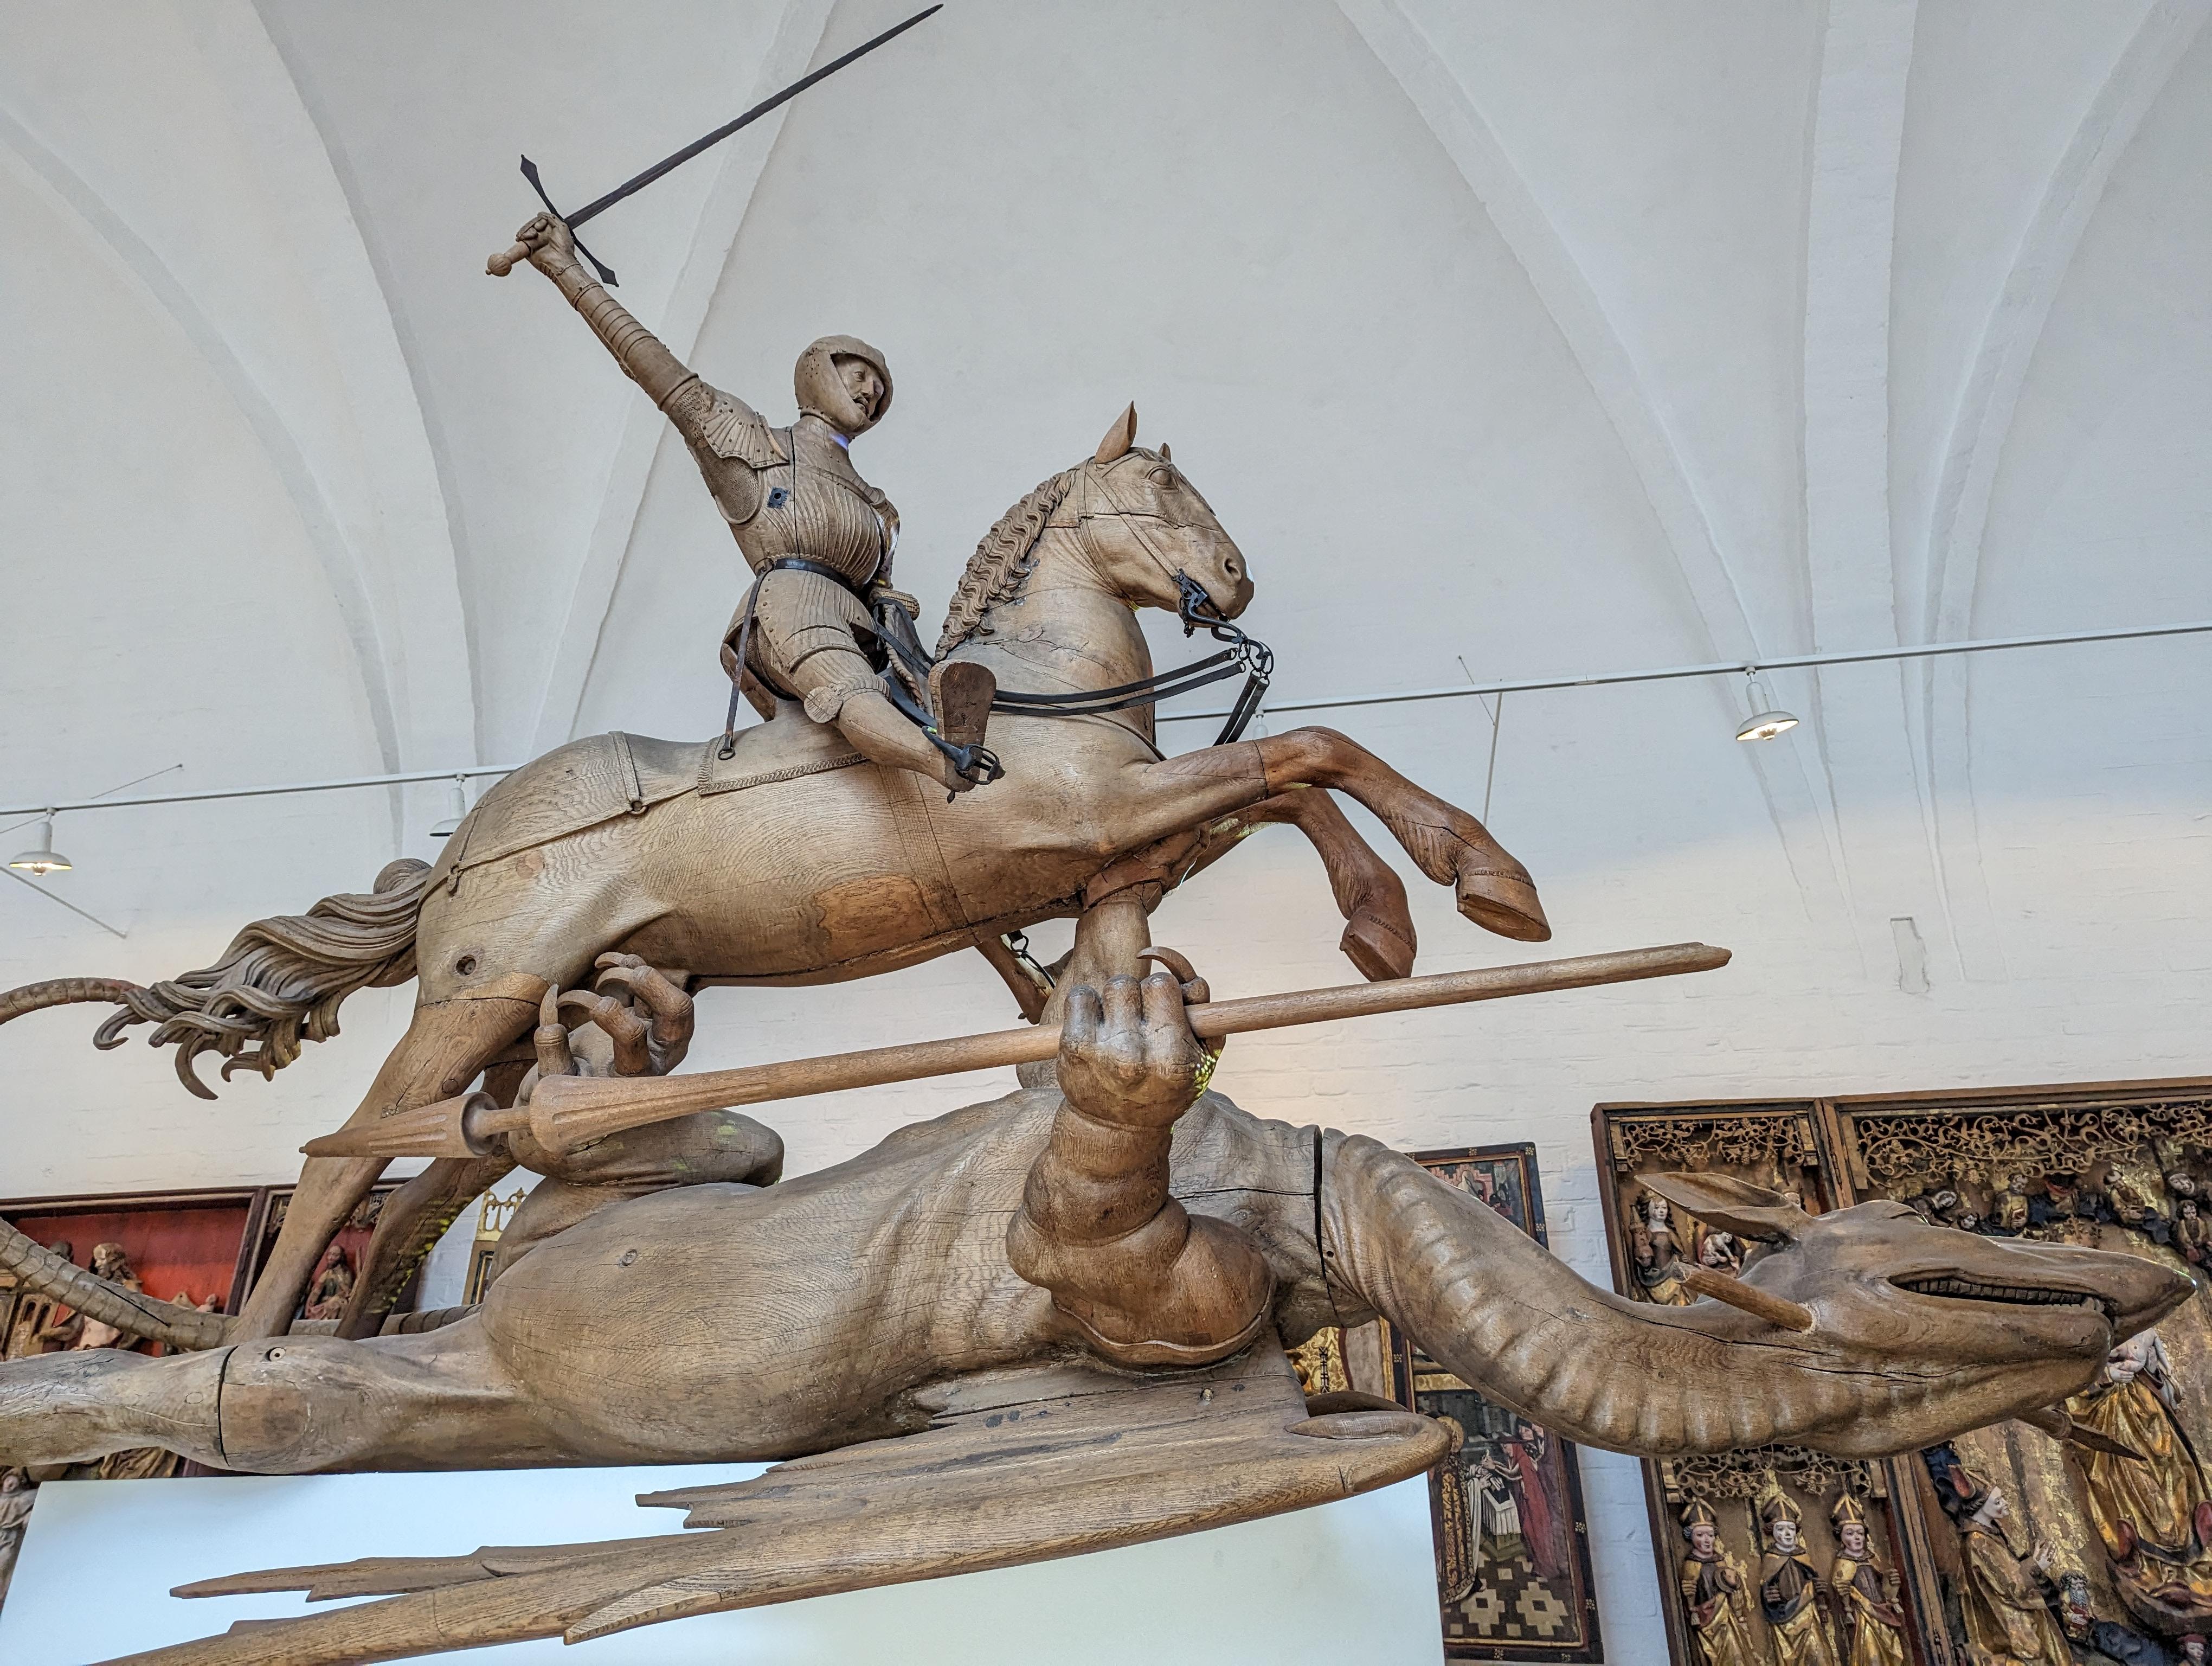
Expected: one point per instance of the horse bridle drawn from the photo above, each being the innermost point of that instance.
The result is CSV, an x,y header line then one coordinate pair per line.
x,y
1194,608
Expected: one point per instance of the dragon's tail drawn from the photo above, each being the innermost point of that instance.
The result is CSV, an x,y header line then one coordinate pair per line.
x,y
278,983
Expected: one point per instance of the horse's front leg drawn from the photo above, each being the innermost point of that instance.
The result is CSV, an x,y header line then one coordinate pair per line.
x,y
1446,843
1378,932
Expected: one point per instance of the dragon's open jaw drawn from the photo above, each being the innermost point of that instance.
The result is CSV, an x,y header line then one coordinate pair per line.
x,y
1951,1286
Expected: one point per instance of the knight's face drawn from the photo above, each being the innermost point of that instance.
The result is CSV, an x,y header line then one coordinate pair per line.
x,y
861,383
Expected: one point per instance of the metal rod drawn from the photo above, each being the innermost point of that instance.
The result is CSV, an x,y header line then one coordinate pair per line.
x,y
64,902
1717,668
35,811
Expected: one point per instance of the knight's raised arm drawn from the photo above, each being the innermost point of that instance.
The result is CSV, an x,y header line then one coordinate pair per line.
x,y
640,354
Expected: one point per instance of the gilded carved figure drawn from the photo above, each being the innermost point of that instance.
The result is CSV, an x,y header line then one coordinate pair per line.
x,y
1870,1624
1715,1592
2153,1512
1657,1251
333,1284
1790,1588
2005,1600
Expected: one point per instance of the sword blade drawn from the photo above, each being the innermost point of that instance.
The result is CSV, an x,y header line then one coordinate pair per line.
x,y
630,186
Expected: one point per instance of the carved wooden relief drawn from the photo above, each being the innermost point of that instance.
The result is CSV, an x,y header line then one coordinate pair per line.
x,y
2007,1544
2049,1551
1513,1570
1777,1556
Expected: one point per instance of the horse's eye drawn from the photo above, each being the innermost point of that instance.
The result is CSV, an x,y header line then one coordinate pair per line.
x,y
1163,478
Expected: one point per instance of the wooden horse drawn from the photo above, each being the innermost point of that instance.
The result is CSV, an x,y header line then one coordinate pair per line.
x,y
788,860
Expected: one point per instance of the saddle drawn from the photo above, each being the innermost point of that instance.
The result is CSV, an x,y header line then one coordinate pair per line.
x,y
604,776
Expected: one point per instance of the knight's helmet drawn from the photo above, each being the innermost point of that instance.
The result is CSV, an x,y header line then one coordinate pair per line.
x,y
1697,1513
1776,1505
822,391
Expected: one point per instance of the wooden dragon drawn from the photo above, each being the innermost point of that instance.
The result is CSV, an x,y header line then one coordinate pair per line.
x,y
1049,1323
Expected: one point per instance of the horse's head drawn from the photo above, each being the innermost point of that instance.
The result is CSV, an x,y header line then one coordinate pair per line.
x,y
1958,1322
1143,524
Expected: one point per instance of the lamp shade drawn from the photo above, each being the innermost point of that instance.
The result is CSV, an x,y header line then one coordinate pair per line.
x,y
1767,719
42,858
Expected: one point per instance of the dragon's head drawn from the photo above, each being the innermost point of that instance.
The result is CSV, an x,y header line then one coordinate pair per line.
x,y
1967,1329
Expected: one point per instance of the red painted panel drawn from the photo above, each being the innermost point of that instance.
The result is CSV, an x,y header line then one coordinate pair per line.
x,y
180,1252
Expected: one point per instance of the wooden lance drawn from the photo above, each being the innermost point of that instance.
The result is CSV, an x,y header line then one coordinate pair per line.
x,y
564,1112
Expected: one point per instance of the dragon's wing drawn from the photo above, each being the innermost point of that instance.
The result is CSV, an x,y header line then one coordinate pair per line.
x,y
1016,1467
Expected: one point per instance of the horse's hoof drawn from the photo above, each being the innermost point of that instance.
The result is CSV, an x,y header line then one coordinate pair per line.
x,y
1503,903
1378,949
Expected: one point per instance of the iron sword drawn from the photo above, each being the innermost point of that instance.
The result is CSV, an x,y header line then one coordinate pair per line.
x,y
505,262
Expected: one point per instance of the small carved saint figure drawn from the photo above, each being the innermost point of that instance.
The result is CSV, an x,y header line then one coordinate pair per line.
x,y
2096,1640
2008,1215
819,539
1789,1587
333,1284
2192,1650
2003,1598
1871,1622
1722,1251
16,1497
1660,1268
2182,1183
1715,1592
77,1332
2192,1233
2153,1512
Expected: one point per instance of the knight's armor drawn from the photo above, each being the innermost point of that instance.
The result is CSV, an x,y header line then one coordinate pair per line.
x,y
818,535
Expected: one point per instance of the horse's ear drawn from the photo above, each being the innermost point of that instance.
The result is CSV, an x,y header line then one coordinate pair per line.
x,y
1120,437
1166,456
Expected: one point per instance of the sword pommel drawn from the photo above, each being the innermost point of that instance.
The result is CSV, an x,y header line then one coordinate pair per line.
x,y
508,259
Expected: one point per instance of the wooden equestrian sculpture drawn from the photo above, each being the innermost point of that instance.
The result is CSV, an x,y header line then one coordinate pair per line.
x,y
1067,1332
795,859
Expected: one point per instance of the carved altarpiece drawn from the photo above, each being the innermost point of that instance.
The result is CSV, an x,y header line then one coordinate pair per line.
x,y
2124,1166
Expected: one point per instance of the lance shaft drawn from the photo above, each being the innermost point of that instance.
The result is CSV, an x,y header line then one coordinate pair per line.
x,y
568,1111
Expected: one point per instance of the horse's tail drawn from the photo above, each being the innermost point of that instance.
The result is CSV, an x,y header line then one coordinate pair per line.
x,y
47,1273
278,983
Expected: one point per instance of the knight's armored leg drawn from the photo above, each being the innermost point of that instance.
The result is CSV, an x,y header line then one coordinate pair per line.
x,y
839,686
1143,1281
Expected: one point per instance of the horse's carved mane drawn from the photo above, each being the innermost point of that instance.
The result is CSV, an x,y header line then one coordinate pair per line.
x,y
1001,561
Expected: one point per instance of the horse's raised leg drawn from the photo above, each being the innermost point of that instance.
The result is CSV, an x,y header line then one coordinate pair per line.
x,y
1378,927
1446,843
448,1044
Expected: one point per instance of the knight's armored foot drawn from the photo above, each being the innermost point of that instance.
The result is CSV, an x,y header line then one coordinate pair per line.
x,y
960,695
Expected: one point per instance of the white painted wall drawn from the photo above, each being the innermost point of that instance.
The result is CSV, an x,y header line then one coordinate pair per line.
x,y
1559,339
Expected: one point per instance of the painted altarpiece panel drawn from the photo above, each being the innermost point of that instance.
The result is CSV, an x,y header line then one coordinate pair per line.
x,y
2092,1556
1512,1541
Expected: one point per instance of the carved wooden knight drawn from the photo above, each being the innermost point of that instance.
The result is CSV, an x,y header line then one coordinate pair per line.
x,y
818,537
